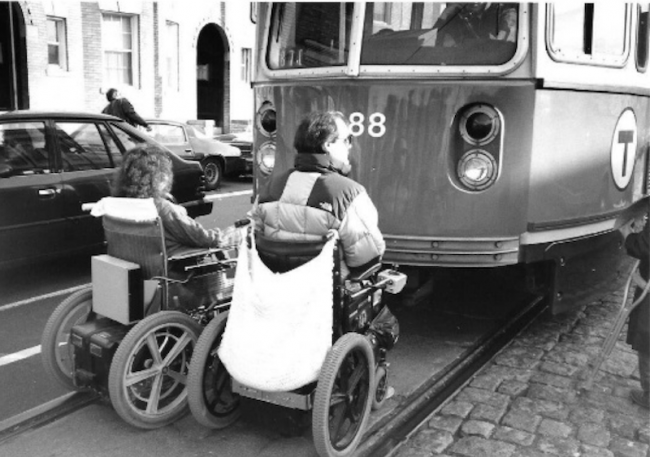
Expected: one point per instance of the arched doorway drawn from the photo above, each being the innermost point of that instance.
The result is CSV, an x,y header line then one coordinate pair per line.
x,y
14,91
212,70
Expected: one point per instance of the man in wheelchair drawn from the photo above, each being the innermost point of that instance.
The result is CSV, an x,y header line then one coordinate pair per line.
x,y
307,329
316,195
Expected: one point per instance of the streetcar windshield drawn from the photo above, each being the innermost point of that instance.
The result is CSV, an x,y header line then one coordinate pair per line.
x,y
439,33
309,35
312,35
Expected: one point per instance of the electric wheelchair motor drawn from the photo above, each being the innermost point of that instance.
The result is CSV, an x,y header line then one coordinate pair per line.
x,y
130,335
352,374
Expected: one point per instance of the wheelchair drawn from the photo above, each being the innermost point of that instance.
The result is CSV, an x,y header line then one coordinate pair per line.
x,y
129,336
353,377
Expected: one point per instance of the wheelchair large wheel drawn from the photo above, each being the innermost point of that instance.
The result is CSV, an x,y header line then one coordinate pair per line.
x,y
344,396
148,375
56,350
209,384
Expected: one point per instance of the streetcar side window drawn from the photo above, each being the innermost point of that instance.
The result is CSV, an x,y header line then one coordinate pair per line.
x,y
592,33
309,35
423,33
642,38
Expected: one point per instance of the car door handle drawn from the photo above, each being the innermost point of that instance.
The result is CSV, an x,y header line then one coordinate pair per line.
x,y
188,150
46,192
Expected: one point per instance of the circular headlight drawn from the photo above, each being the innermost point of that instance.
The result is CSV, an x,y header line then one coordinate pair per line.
x,y
266,121
266,157
477,170
479,124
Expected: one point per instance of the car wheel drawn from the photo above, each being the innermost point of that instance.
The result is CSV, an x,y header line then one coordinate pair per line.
x,y
213,171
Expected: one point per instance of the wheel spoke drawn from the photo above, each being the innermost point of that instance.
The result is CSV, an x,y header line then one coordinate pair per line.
x,y
337,418
337,399
354,378
154,398
181,344
139,376
154,349
177,376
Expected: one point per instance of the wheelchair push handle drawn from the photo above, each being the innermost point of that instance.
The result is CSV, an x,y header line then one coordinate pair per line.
x,y
242,223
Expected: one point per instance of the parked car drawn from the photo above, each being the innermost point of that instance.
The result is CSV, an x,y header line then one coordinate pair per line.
x,y
244,142
190,143
51,163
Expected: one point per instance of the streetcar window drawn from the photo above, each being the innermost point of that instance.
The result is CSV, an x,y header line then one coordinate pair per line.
x,y
423,33
590,32
609,29
642,38
309,35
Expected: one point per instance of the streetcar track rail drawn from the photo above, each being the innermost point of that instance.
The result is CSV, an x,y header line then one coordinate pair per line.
x,y
383,436
46,413
388,433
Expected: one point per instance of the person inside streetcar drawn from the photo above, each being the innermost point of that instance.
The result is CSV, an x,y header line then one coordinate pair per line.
x,y
460,23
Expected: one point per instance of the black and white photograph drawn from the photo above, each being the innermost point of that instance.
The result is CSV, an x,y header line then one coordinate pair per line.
x,y
324,229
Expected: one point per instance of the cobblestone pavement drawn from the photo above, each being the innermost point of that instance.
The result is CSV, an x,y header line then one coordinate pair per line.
x,y
528,400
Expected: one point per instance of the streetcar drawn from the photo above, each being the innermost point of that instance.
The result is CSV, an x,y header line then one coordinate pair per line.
x,y
487,135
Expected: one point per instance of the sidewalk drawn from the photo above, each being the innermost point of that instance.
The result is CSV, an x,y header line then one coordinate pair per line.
x,y
527,401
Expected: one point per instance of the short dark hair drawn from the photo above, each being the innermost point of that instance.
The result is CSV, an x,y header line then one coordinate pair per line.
x,y
315,130
111,94
144,168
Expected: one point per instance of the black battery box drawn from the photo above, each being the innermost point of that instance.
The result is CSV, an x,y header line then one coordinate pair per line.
x,y
94,345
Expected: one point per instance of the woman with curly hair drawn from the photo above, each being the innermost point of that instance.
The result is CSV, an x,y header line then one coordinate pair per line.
x,y
146,172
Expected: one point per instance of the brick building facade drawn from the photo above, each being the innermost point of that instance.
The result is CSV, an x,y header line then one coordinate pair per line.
x,y
171,59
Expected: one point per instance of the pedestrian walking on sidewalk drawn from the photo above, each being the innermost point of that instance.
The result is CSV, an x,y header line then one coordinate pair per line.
x,y
638,334
121,107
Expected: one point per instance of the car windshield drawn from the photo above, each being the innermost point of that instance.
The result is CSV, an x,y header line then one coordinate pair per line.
x,y
308,35
167,134
439,33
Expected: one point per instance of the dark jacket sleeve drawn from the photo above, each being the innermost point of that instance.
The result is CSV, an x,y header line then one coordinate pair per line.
x,y
637,245
129,111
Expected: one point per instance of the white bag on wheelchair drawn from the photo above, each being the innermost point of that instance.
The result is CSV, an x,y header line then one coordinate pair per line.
x,y
279,327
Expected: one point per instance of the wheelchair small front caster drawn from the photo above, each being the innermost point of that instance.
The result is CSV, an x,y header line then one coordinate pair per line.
x,y
382,390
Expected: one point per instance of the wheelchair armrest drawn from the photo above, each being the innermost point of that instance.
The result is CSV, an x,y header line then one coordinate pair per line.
x,y
191,253
203,258
360,275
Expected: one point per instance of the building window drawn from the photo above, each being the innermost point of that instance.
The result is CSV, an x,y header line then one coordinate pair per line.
x,y
383,12
119,40
172,55
246,64
56,43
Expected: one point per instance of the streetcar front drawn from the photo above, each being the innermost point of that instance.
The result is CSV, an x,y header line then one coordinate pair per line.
x,y
472,158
